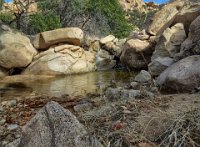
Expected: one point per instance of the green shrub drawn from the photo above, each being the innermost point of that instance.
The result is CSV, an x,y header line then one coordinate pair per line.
x,y
112,10
6,18
41,22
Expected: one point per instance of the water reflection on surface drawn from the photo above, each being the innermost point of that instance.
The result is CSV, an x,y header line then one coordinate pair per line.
x,y
73,84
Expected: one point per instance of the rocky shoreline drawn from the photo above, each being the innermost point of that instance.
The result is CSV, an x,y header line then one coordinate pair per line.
x,y
167,53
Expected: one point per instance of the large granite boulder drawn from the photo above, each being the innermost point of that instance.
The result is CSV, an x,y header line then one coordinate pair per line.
x,y
16,49
62,60
179,11
157,66
170,42
3,72
191,45
165,17
182,75
46,39
136,54
54,126
188,13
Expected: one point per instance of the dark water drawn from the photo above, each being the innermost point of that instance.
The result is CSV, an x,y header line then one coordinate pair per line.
x,y
72,85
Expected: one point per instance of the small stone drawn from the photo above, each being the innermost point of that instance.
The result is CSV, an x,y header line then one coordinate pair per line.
x,y
14,143
143,77
12,127
2,122
149,94
134,93
107,39
134,85
11,103
4,143
82,107
154,89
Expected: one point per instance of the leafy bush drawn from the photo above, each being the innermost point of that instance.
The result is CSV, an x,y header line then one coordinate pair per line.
x,y
113,12
41,23
6,18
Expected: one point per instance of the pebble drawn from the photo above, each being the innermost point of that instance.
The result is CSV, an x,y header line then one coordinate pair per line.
x,y
82,107
134,85
11,103
12,127
2,122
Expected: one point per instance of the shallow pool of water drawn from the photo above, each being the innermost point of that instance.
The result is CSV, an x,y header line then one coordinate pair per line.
x,y
73,85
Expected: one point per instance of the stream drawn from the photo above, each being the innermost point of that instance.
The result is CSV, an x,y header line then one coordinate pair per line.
x,y
73,85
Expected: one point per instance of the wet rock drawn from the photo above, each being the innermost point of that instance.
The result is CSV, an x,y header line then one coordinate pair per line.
x,y
182,75
12,127
143,77
55,126
158,65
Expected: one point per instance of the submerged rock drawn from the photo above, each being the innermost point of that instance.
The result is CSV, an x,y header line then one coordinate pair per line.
x,y
55,126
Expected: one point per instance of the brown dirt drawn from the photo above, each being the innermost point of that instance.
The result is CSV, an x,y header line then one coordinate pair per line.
x,y
135,122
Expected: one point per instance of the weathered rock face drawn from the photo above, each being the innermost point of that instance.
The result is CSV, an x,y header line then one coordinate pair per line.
x,y
3,73
55,126
62,60
139,35
179,11
183,75
136,54
72,36
112,45
104,61
107,39
170,42
188,13
143,77
15,49
191,44
165,17
157,66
